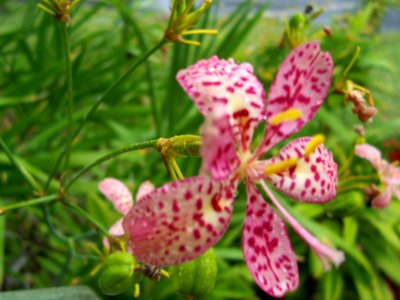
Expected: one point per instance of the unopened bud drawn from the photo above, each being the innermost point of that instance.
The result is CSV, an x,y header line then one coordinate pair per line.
x,y
299,21
118,273
195,279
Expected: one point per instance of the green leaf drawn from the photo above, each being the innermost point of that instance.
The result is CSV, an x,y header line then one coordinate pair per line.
x,y
61,293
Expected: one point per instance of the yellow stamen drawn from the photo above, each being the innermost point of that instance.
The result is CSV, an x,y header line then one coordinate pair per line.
x,y
136,290
164,273
313,144
280,166
291,114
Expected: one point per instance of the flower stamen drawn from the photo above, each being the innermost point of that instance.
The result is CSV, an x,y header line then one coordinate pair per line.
x,y
313,144
280,166
291,114
136,291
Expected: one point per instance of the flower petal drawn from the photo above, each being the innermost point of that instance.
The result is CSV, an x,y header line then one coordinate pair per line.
x,y
145,188
218,149
117,193
115,230
313,179
266,247
178,221
382,200
302,83
325,253
370,153
217,83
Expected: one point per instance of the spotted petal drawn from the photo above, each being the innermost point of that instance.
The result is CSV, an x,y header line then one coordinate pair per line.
x,y
266,247
178,221
145,188
302,83
218,149
313,179
217,83
117,193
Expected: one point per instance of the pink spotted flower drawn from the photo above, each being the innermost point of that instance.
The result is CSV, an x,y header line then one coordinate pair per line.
x,y
115,191
388,173
181,220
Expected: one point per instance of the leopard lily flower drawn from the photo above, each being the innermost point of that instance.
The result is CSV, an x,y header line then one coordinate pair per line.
x,y
181,220
388,173
115,191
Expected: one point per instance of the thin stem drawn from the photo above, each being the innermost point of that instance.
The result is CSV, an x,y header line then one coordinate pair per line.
x,y
360,187
58,235
176,169
339,84
89,217
147,65
45,199
168,164
102,99
25,174
346,165
143,145
359,177
70,92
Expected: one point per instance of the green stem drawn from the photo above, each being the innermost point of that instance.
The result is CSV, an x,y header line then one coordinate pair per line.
x,y
339,84
102,99
70,92
143,145
45,199
359,177
168,164
177,169
89,217
27,176
360,187
149,76
57,234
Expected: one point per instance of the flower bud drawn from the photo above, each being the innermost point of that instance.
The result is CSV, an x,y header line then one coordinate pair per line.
x,y
345,204
196,278
299,21
118,273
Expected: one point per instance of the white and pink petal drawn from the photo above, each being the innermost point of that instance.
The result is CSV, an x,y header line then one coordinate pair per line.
x,y
117,193
145,188
302,83
266,247
222,85
218,149
313,179
178,221
370,153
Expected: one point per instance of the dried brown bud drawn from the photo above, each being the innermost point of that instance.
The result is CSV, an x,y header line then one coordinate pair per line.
x,y
359,129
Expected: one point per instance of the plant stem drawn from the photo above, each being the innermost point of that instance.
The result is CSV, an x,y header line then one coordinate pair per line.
x,y
70,92
88,216
176,169
102,99
27,176
45,199
143,145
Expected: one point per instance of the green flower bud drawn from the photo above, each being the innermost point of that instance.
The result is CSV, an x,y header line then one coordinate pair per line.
x,y
196,278
345,204
299,21
118,273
